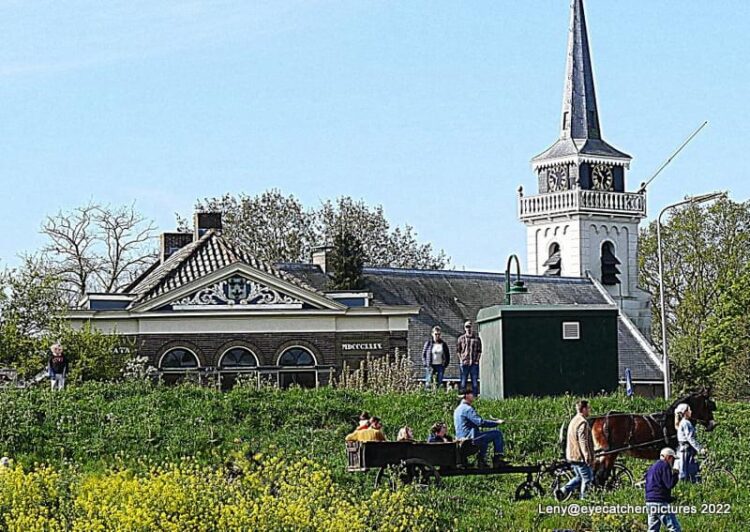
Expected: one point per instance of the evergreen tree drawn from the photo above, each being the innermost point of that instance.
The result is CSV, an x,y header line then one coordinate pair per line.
x,y
347,262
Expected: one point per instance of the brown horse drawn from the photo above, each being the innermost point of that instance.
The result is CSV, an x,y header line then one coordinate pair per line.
x,y
644,435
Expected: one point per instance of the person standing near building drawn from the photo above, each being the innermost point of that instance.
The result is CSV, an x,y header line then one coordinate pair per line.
x,y
469,349
436,357
57,367
579,452
660,479
688,443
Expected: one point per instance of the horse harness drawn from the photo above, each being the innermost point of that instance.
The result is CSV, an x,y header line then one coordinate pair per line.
x,y
654,421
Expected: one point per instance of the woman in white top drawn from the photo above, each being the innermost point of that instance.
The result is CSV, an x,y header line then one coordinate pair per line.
x,y
688,445
436,357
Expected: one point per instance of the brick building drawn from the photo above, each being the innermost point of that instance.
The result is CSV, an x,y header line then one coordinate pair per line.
x,y
207,306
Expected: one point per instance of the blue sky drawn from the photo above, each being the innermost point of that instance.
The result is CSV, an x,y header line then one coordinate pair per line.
x,y
432,109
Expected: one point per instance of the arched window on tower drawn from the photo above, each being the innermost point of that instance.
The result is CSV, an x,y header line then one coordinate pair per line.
x,y
610,271
553,264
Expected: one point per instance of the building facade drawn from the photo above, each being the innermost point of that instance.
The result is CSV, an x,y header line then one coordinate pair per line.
x,y
208,307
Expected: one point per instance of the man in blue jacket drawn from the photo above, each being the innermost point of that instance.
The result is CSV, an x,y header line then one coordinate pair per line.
x,y
660,479
468,423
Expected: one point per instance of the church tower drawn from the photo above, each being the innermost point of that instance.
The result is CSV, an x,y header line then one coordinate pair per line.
x,y
583,221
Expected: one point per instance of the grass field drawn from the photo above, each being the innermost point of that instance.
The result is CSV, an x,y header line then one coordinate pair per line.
x,y
90,430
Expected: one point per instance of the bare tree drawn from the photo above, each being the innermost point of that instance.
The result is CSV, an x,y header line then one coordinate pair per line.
x,y
127,238
97,248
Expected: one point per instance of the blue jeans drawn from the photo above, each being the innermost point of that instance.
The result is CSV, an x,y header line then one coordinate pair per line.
x,y
584,477
688,464
434,371
656,518
484,439
470,370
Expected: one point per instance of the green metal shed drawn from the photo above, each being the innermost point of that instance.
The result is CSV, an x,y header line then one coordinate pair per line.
x,y
547,350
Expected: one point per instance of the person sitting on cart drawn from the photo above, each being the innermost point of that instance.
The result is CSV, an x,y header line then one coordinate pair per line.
x,y
405,434
364,421
372,433
468,424
439,433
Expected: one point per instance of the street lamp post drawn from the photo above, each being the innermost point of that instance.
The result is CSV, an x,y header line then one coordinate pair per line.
x,y
518,286
692,200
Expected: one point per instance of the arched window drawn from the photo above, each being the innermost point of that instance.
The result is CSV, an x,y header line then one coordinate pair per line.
x,y
297,367
553,264
610,271
179,358
234,362
296,356
238,358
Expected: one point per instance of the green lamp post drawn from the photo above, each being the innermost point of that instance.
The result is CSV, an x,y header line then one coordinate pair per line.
x,y
518,286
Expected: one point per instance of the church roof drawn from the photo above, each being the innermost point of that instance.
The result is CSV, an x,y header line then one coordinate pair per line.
x,y
211,252
580,133
449,297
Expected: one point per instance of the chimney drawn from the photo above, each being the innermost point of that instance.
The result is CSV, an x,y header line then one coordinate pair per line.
x,y
321,256
171,242
203,221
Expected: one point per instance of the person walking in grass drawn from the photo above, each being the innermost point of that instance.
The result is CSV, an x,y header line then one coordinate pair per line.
x,y
688,446
579,452
661,477
57,367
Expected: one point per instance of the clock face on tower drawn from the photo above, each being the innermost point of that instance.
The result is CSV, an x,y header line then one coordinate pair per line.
x,y
557,178
602,177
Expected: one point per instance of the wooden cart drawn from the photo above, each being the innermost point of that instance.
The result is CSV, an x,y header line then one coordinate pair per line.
x,y
426,463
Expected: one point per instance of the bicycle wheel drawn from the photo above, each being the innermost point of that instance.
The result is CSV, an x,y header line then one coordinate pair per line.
x,y
717,476
558,477
619,477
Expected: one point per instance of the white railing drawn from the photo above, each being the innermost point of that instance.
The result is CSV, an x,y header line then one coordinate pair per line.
x,y
578,200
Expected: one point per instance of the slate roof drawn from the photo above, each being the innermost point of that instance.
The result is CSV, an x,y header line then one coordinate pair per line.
x,y
580,132
633,355
448,297
209,253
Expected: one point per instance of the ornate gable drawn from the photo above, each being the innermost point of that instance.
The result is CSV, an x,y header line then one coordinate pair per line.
x,y
237,291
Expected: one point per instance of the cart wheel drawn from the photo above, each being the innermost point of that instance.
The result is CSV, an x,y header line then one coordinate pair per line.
x,y
619,477
528,489
380,476
419,472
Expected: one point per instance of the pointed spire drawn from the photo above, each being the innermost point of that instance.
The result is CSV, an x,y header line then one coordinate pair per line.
x,y
580,133
580,117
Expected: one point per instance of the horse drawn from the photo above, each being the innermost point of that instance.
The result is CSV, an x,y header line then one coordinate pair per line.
x,y
644,435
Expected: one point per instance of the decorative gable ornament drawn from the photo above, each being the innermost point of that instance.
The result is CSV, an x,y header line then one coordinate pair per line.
x,y
237,292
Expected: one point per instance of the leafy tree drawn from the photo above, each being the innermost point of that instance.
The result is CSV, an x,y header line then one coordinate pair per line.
x,y
726,342
704,248
279,228
29,302
92,354
271,226
98,248
347,262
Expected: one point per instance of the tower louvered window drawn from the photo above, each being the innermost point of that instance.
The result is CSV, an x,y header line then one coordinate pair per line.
x,y
610,271
553,264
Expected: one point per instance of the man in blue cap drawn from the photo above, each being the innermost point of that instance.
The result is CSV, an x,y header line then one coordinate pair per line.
x,y
468,424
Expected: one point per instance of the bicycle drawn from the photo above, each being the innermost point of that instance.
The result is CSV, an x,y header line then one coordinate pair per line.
x,y
562,472
714,474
